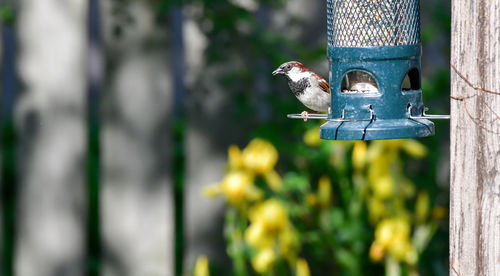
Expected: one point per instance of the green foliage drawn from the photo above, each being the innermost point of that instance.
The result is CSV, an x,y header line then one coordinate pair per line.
x,y
356,215
7,14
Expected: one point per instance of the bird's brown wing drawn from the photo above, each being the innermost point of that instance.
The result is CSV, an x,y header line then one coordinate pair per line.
x,y
324,86
322,83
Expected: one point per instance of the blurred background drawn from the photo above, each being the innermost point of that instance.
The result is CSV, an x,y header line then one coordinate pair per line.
x,y
148,137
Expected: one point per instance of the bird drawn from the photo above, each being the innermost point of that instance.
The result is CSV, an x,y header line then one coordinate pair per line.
x,y
310,88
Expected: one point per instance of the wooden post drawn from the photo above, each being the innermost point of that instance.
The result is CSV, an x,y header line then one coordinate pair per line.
x,y
475,138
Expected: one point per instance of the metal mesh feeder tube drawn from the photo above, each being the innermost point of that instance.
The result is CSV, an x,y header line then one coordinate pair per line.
x,y
374,55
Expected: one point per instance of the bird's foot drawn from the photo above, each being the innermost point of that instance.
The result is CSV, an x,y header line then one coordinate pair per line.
x,y
304,115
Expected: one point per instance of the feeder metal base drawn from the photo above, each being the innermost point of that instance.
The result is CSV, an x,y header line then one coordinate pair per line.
x,y
377,129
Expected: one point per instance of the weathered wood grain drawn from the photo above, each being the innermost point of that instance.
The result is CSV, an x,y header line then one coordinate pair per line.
x,y
475,139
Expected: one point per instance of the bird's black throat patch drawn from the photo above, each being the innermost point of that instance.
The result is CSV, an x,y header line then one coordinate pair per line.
x,y
298,87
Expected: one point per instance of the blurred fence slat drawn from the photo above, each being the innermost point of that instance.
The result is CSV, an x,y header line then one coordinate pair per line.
x,y
51,121
136,203
475,138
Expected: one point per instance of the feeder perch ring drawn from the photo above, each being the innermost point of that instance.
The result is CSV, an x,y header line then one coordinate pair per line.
x,y
428,116
326,117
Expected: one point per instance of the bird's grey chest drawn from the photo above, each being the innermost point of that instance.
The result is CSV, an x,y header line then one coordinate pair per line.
x,y
298,87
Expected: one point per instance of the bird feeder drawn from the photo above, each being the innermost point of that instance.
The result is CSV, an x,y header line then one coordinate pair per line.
x,y
374,55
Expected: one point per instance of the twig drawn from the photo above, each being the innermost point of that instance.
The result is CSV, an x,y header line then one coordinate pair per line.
x,y
462,98
492,111
477,121
476,87
452,267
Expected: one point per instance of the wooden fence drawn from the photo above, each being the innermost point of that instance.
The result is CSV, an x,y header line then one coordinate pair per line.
x,y
86,183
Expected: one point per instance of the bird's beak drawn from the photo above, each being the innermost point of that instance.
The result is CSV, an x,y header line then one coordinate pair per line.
x,y
278,72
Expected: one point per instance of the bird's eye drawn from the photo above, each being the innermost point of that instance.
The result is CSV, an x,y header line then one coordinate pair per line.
x,y
288,66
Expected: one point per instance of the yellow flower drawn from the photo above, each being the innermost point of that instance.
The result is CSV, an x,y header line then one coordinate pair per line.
x,y
376,251
393,235
402,249
379,167
324,191
260,156
402,227
392,230
256,236
273,180
359,155
302,268
253,193
235,158
270,228
238,187
376,209
393,144
411,256
235,184
201,267
375,150
263,261
289,243
422,207
383,187
384,233
271,213
311,137
414,148
398,248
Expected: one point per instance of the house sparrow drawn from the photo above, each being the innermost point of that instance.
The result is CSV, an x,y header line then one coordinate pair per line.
x,y
310,88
